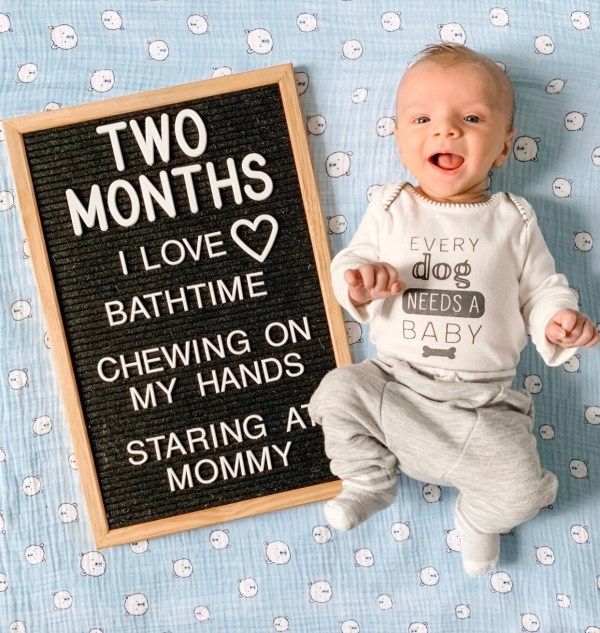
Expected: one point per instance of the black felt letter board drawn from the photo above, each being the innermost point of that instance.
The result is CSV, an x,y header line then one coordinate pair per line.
x,y
150,306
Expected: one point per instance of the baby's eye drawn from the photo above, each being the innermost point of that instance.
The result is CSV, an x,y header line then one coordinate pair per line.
x,y
422,119
472,118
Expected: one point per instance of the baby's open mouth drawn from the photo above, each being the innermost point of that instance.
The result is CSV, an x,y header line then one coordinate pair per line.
x,y
446,161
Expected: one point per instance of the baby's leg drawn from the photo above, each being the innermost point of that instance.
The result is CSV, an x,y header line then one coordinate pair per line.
x,y
347,405
482,516
479,550
500,480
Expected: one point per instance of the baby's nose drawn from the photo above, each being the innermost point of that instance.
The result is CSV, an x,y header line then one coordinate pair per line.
x,y
447,128
448,131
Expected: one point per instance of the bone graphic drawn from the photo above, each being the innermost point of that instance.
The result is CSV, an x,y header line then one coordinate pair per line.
x,y
431,351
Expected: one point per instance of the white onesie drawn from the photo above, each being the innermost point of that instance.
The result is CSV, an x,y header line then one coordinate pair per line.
x,y
479,277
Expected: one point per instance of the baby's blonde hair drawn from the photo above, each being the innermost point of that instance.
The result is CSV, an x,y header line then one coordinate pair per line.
x,y
450,53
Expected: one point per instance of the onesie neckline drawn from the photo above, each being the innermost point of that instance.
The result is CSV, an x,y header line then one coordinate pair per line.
x,y
456,207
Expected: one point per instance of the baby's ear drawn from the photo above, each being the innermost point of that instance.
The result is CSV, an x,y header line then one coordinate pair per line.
x,y
505,153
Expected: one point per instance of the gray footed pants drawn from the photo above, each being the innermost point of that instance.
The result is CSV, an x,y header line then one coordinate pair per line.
x,y
382,413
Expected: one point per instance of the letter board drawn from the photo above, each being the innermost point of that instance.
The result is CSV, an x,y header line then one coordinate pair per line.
x,y
182,262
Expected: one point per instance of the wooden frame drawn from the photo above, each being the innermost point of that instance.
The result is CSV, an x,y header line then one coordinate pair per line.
x,y
14,130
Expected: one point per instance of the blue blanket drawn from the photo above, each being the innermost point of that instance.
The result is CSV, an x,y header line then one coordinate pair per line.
x,y
375,578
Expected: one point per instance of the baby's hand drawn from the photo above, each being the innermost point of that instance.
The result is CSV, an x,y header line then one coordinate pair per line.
x,y
569,328
372,281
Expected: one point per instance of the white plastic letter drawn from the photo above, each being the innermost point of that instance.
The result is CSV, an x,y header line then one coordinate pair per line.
x,y
152,138
95,210
112,129
181,140
259,175
112,202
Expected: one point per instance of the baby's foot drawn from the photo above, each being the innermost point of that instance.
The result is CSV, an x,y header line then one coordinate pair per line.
x,y
354,505
476,568
479,552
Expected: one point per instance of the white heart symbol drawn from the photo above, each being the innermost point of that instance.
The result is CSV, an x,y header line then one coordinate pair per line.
x,y
253,225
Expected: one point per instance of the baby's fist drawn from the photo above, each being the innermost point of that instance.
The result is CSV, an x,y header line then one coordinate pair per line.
x,y
569,328
376,280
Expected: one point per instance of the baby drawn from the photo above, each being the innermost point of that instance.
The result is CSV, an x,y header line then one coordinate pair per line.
x,y
450,280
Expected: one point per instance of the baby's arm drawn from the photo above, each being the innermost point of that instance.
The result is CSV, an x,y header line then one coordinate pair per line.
x,y
360,280
542,294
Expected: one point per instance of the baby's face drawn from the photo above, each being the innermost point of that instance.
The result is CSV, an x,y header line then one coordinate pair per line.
x,y
451,128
